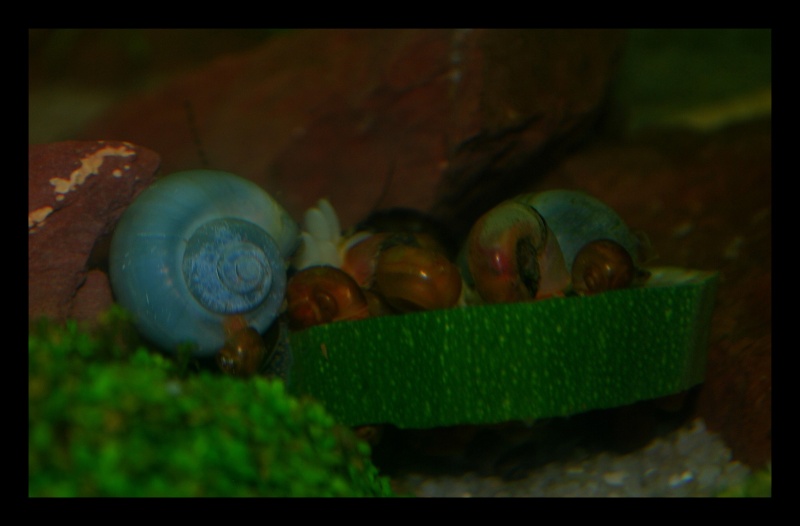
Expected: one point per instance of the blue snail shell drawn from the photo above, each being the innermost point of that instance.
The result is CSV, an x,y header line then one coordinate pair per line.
x,y
198,246
577,218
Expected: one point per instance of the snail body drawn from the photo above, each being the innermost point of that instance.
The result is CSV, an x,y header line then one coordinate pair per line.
x,y
197,247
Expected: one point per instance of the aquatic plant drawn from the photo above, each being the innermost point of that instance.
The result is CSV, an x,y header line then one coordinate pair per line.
x,y
758,484
111,419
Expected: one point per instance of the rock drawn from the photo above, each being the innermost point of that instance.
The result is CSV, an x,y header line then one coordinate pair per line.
x,y
695,196
429,119
93,297
704,201
76,193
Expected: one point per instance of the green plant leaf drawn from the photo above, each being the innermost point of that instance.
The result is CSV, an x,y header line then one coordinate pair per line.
x,y
496,363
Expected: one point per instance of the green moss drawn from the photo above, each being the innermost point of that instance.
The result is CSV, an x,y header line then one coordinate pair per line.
x,y
759,484
108,418
668,71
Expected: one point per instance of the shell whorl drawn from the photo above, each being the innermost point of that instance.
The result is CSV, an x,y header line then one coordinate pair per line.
x,y
198,246
577,218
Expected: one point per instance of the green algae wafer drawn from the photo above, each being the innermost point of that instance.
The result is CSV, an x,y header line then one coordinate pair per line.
x,y
495,363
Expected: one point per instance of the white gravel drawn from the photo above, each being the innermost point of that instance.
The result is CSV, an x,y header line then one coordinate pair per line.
x,y
689,462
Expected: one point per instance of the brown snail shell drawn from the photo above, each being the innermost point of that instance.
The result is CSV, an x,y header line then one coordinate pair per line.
x,y
602,265
323,294
413,278
244,349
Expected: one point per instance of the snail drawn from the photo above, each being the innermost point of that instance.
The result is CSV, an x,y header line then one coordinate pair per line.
x,y
551,243
511,255
411,277
323,294
198,247
601,265
244,350
601,252
398,270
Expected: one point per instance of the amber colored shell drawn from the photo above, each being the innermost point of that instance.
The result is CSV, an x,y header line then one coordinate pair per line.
x,y
602,265
244,349
323,294
414,278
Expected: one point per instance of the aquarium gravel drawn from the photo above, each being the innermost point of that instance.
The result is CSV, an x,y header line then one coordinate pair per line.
x,y
688,462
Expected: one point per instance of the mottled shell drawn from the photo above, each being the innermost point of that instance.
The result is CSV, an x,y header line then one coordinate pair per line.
x,y
198,246
511,255
577,218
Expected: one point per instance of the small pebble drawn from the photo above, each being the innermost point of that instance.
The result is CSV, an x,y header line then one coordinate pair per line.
x,y
615,478
689,462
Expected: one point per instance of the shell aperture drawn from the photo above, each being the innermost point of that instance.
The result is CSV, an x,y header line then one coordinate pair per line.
x,y
512,255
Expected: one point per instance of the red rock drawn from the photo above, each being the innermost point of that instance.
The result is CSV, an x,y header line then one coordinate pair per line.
x,y
705,202
76,193
93,297
378,118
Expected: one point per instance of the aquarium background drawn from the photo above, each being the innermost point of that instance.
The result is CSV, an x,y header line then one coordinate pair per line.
x,y
681,148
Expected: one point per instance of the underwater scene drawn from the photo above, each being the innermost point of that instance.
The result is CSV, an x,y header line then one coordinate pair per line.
x,y
399,262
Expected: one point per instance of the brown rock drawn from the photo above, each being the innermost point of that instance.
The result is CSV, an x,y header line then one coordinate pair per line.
x,y
76,193
93,297
378,118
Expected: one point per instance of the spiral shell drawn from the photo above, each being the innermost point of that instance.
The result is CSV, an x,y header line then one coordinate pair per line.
x,y
512,255
601,252
413,278
244,350
198,246
549,243
577,218
602,265
323,294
